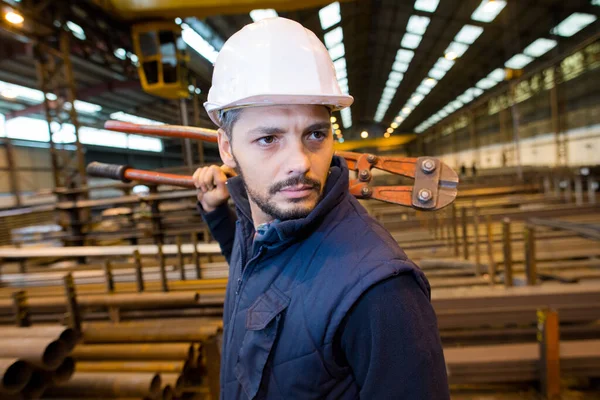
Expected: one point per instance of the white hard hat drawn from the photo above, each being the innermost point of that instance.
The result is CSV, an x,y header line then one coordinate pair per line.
x,y
275,61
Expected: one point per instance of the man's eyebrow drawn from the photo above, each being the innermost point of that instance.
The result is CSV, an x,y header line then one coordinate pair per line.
x,y
318,126
266,130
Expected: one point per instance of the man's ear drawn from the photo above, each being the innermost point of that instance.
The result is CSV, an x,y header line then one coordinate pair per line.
x,y
225,149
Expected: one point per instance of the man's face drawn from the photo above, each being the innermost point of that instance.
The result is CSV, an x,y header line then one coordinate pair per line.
x,y
283,154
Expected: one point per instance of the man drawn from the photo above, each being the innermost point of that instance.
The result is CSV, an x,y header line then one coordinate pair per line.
x,y
321,302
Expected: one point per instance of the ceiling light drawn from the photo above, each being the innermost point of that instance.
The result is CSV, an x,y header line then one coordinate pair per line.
x,y
410,41
518,61
389,91
456,48
457,104
417,24
451,55
341,140
258,15
444,64
404,55
121,116
442,114
426,5
423,89
540,47
391,130
386,135
333,120
330,15
337,51
22,92
596,2
335,126
76,30
400,66
87,108
338,132
198,43
364,134
497,75
14,18
9,94
392,83
51,96
396,76
178,21
466,97
120,54
340,64
486,84
468,34
476,91
394,125
429,82
398,119
437,73
406,110
333,37
573,24
488,10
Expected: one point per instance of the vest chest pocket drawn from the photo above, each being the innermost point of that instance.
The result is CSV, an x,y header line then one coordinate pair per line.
x,y
262,327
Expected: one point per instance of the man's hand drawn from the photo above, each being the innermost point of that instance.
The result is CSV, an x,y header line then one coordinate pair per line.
x,y
210,182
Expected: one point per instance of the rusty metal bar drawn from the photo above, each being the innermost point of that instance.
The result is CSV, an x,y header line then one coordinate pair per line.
x,y
150,332
41,352
73,315
196,255
465,237
507,251
134,352
490,250
108,277
14,375
476,231
180,259
107,384
530,262
549,342
22,314
163,269
134,366
67,335
578,190
139,277
455,231
173,131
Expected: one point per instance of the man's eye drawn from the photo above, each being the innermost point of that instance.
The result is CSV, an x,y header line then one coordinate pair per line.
x,y
318,135
267,140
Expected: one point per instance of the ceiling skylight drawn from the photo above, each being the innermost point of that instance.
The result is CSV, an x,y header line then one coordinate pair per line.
x,y
444,64
258,15
337,51
468,34
426,5
518,61
411,41
417,25
404,55
488,10
540,47
458,49
437,73
573,24
497,75
486,84
198,43
334,37
330,15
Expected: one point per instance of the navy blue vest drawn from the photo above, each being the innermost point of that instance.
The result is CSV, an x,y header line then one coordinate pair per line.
x,y
289,291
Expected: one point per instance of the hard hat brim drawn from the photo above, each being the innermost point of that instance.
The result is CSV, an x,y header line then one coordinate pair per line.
x,y
335,102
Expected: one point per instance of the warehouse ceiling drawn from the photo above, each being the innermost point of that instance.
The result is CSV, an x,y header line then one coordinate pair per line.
x,y
386,44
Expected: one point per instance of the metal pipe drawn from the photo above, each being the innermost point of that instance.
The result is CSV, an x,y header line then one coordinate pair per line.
x,y
37,385
476,231
107,384
134,352
507,250
167,392
179,367
174,380
14,375
64,372
108,276
42,353
150,331
69,336
174,131
463,220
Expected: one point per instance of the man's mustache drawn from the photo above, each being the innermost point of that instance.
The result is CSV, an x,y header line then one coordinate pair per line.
x,y
295,181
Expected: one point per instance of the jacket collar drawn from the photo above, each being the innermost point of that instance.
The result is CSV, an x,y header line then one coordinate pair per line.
x,y
336,188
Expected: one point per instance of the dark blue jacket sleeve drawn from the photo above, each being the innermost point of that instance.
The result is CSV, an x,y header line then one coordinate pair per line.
x,y
390,341
221,223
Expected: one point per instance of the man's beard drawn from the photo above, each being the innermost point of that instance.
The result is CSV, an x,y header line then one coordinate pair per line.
x,y
269,207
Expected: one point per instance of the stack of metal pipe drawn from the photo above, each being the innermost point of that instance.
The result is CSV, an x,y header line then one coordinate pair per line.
x,y
32,359
161,359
